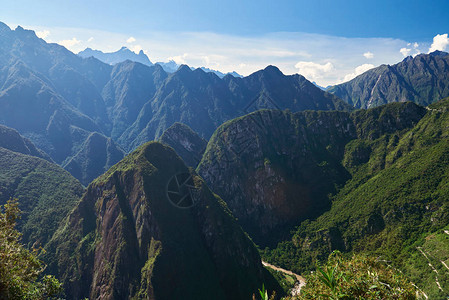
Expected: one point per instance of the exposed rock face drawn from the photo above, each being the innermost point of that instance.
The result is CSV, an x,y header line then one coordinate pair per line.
x,y
126,239
186,142
422,79
97,154
395,205
275,169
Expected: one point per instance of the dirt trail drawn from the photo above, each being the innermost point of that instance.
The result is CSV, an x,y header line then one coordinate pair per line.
x,y
300,280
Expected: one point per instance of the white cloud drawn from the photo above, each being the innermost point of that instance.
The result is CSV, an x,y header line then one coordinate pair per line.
x,y
368,55
42,34
440,42
69,43
313,71
337,56
131,40
357,71
179,59
405,51
136,48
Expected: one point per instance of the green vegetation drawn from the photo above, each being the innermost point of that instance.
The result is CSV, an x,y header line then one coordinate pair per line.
x,y
21,273
395,206
359,277
46,192
126,239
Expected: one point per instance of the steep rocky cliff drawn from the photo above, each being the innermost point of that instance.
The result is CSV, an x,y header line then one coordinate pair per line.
x,y
422,79
150,228
395,206
275,169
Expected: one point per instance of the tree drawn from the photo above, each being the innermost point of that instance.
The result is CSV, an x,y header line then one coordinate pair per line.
x,y
21,273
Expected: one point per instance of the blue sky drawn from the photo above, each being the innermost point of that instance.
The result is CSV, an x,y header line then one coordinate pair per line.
x,y
327,41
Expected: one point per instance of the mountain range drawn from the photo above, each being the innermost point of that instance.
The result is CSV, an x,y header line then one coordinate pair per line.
x,y
59,100
127,237
116,57
369,181
46,191
142,183
124,54
421,79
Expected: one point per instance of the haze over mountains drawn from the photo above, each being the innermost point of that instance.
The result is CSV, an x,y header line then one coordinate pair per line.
x,y
124,54
189,178
60,99
119,56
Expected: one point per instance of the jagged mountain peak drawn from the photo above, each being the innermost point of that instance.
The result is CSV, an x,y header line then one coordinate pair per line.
x,y
422,79
438,53
184,69
112,58
273,70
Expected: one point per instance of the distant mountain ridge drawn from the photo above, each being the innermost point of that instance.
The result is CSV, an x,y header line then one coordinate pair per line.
x,y
116,57
58,99
185,95
218,73
422,79
124,54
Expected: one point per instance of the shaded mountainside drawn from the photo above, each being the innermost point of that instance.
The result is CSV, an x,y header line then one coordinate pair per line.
x,y
31,106
97,154
270,89
127,239
394,206
186,143
46,193
422,79
203,101
10,139
275,169
49,94
58,99
131,86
